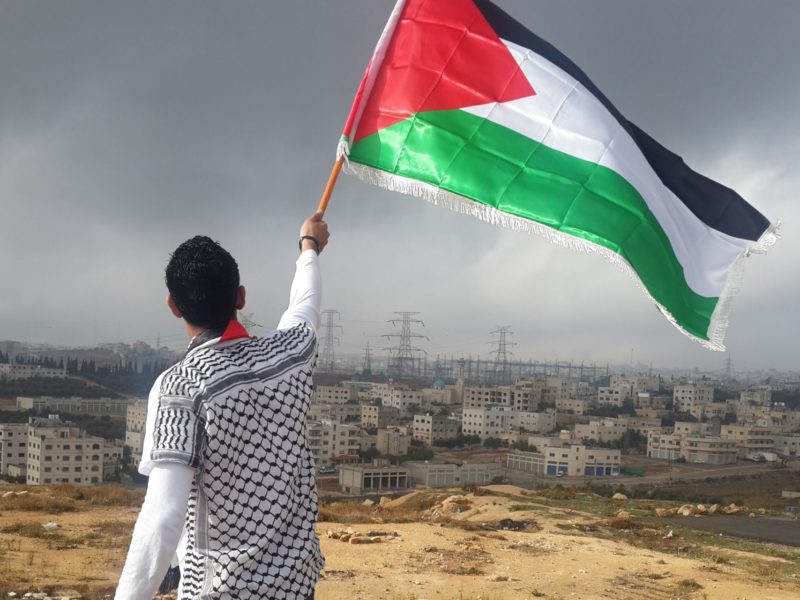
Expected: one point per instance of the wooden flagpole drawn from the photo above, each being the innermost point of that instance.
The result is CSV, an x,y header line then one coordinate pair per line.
x,y
326,195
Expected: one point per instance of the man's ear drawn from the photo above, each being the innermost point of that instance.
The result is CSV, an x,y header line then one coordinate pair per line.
x,y
240,294
173,308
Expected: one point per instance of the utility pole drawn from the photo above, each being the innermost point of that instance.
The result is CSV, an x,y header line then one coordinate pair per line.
x,y
502,353
327,360
405,358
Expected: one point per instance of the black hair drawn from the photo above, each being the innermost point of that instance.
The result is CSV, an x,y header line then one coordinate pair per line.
x,y
203,280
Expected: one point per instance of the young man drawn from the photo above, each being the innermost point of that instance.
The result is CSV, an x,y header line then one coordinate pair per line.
x,y
231,476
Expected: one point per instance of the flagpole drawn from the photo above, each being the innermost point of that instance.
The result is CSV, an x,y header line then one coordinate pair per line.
x,y
326,195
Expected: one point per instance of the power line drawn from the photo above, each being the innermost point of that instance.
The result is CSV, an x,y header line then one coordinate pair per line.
x,y
502,353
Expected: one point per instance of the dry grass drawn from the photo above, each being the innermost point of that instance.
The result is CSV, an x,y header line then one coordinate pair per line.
x,y
68,498
409,512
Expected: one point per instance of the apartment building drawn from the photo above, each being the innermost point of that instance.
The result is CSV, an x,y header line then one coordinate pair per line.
x,y
761,396
749,438
405,400
602,431
135,421
13,371
574,406
331,440
60,452
787,445
334,394
479,397
330,411
430,429
376,416
555,389
685,396
693,447
392,441
666,446
13,446
536,422
490,421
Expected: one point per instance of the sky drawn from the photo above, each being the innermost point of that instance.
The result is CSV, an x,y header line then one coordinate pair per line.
x,y
126,128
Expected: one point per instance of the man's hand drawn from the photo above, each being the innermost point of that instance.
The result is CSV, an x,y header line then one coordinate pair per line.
x,y
314,227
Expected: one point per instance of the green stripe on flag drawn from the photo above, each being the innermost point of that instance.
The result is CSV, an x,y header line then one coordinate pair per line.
x,y
495,166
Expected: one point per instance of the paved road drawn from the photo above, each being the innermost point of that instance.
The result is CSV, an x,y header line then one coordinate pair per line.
x,y
763,529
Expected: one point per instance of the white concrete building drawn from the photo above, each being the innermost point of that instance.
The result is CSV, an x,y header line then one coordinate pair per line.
x,y
377,477
134,430
60,452
334,394
330,411
787,445
749,439
490,421
13,445
11,371
569,460
330,440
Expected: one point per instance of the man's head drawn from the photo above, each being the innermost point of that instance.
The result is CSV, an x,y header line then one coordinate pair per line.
x,y
203,283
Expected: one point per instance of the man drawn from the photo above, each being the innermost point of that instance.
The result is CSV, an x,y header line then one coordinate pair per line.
x,y
224,445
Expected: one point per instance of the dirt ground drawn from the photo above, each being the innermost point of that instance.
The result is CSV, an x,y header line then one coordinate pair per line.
x,y
560,552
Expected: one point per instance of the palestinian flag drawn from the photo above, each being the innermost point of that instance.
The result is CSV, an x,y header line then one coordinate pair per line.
x,y
463,106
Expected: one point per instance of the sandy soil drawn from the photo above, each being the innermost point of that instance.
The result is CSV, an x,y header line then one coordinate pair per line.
x,y
561,554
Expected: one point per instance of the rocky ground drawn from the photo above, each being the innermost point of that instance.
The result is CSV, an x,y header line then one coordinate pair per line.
x,y
498,542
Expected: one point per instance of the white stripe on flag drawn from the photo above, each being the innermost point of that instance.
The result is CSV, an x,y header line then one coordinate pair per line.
x,y
564,116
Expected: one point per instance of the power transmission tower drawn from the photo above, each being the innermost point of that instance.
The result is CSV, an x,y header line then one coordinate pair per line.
x,y
246,319
405,358
502,353
327,361
367,361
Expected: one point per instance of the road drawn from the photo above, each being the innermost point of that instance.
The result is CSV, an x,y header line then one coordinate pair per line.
x,y
763,529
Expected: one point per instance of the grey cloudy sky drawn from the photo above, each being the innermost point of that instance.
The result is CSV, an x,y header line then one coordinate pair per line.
x,y
126,127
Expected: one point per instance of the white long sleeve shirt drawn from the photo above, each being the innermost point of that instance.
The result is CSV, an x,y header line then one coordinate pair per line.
x,y
159,527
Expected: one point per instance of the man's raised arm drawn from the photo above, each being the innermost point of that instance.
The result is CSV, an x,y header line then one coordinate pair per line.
x,y
305,298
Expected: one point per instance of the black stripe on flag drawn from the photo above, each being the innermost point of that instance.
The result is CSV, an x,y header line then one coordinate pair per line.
x,y
716,205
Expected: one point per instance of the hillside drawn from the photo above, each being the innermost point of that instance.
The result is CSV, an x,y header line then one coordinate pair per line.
x,y
497,542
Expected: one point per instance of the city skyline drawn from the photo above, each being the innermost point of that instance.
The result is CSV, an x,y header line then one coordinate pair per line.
x,y
126,129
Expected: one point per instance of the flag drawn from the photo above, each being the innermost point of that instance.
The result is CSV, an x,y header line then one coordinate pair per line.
x,y
463,106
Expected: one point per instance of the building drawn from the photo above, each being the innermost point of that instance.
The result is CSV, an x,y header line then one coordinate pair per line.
x,y
112,458
666,446
787,445
601,431
537,422
13,371
135,421
567,460
435,475
574,406
710,450
407,401
75,405
334,394
330,411
756,397
376,416
60,452
331,441
430,429
490,421
392,442
749,439
13,446
686,396
377,477
480,397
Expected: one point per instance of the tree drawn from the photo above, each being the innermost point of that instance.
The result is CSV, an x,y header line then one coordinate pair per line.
x,y
492,442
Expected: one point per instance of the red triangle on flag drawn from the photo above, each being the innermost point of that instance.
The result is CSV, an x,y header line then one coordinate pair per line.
x,y
442,56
